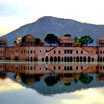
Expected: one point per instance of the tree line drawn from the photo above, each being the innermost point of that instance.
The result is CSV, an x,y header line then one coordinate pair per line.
x,y
53,39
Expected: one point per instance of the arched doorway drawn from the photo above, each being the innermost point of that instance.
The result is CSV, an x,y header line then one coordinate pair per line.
x,y
80,58
16,58
70,59
46,59
92,59
89,59
77,59
59,59
84,58
55,59
64,59
51,58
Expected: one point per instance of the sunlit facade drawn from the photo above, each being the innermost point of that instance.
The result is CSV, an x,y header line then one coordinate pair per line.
x,y
67,51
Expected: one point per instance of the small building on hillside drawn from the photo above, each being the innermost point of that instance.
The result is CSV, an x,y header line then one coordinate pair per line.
x,y
100,42
100,50
18,41
3,42
3,45
66,40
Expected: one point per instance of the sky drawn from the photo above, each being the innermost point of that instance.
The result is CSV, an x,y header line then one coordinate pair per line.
x,y
26,96
15,13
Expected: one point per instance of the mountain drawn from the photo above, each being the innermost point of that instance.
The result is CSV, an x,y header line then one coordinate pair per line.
x,y
58,26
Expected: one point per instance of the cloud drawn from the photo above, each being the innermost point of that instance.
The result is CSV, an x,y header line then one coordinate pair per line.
x,y
88,96
11,8
25,11
6,10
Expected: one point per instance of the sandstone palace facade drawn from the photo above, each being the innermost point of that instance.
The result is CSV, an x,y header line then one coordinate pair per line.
x,y
67,51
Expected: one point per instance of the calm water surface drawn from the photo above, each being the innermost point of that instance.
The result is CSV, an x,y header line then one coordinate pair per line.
x,y
54,83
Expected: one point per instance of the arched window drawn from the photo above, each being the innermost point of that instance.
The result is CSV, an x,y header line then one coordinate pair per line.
x,y
84,58
46,59
89,59
70,68
100,52
16,58
54,51
58,58
64,59
80,58
100,59
77,52
92,59
42,59
68,59
59,67
81,52
30,58
54,67
76,67
74,59
51,58
77,59
59,51
71,59
67,67
55,59
64,67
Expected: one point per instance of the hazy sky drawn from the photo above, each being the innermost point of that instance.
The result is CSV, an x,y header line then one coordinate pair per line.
x,y
14,13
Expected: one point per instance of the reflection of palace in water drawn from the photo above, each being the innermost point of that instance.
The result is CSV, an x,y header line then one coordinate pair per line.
x,y
51,78
58,68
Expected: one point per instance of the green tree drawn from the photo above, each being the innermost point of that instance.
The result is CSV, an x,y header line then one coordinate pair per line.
x,y
38,42
51,80
85,40
30,40
27,40
85,78
51,39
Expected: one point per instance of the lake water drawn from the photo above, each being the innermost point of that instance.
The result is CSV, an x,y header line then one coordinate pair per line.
x,y
51,83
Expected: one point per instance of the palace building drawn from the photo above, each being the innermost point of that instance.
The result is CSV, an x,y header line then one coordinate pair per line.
x,y
67,51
